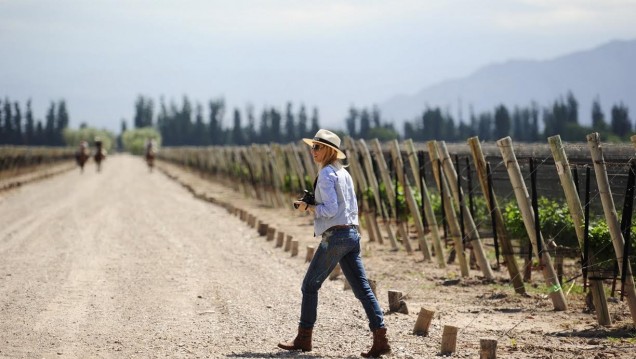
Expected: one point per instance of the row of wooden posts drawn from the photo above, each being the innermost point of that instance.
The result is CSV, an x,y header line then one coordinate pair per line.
x,y
275,173
488,346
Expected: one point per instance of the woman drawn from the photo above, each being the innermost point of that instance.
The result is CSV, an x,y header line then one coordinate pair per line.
x,y
336,220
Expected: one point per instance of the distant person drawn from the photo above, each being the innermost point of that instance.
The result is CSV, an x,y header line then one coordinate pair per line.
x,y
150,154
82,155
100,153
335,210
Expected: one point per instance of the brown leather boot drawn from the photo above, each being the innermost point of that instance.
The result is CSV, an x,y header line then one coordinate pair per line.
x,y
380,344
301,342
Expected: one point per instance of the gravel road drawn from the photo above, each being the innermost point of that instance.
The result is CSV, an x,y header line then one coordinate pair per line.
x,y
127,263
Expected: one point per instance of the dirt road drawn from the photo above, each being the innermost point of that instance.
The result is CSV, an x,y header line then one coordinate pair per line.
x,y
128,264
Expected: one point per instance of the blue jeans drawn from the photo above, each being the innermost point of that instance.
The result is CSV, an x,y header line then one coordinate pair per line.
x,y
338,246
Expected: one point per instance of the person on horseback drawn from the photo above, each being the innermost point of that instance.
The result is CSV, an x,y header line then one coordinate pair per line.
x,y
150,154
81,155
100,153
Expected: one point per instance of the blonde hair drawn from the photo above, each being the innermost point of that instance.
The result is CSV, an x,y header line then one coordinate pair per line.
x,y
330,158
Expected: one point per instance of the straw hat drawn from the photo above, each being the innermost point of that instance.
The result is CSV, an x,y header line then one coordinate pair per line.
x,y
327,138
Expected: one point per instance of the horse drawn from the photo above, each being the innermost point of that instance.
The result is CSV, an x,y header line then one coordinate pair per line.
x,y
81,155
150,155
100,154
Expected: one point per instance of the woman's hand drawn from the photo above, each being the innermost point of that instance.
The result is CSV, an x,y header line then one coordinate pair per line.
x,y
303,206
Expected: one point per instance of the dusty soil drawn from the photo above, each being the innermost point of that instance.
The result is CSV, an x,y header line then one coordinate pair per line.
x,y
128,263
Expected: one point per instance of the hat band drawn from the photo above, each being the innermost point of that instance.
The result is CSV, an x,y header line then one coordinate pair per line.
x,y
318,139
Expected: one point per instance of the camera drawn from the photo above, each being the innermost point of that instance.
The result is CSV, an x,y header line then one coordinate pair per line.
x,y
308,197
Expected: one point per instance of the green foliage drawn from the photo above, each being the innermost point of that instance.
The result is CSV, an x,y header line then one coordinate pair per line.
x,y
554,218
88,134
601,246
134,141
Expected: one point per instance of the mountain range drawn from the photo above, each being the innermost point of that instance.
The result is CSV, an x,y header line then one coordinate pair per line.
x,y
607,72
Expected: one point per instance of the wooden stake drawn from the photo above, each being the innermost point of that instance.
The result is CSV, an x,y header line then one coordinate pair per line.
x,y
262,228
453,223
335,272
394,300
388,185
288,241
294,247
423,322
428,207
576,211
310,253
473,234
593,141
280,239
271,231
488,349
502,234
449,340
523,200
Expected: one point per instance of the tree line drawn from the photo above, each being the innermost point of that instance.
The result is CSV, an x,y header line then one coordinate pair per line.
x,y
188,124
21,128
523,123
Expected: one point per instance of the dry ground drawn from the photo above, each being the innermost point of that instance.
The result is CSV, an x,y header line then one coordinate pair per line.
x,y
129,264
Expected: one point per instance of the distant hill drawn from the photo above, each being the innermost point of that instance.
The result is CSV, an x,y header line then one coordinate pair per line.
x,y
608,71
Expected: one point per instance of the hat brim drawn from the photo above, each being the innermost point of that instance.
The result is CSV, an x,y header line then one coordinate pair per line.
x,y
311,141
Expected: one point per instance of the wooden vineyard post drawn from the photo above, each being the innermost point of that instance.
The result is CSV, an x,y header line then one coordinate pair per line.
x,y
576,210
453,224
288,243
361,184
294,160
373,183
428,207
410,200
294,247
271,231
523,200
593,141
473,234
508,251
423,322
308,162
280,239
449,340
487,348
310,253
370,209
388,185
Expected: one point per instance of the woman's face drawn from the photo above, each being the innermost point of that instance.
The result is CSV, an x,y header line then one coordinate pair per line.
x,y
319,152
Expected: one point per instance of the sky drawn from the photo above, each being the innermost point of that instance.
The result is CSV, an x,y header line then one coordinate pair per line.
x,y
100,55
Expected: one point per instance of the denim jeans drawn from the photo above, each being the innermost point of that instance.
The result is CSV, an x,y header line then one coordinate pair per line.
x,y
342,246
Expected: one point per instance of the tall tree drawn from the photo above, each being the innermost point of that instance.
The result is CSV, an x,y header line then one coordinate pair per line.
x,y
302,123
18,138
290,126
217,111
365,124
29,127
351,122
621,124
502,122
276,125
598,117
315,122
251,135
49,127
237,130
61,122
144,111
7,122
199,135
